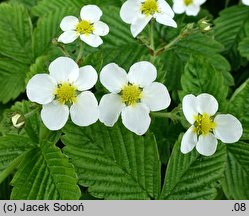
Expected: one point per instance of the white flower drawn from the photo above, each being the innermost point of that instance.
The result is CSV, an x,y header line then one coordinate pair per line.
x,y
63,91
89,28
133,95
245,2
207,128
138,13
190,7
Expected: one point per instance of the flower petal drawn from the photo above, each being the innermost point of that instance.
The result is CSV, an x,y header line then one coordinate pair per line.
x,y
207,144
68,37
40,88
113,77
156,96
166,20
54,115
189,107
138,24
228,128
189,141
110,107
142,73
200,2
193,10
179,7
207,104
64,69
87,78
85,111
100,28
136,118
245,2
130,10
90,13
91,40
164,8
69,23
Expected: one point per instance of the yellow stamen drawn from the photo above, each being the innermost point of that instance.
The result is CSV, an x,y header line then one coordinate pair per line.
x,y
203,124
149,7
188,2
84,27
131,95
65,93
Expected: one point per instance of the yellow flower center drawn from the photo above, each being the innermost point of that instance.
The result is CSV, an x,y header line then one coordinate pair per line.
x,y
149,7
204,124
84,27
66,93
131,95
188,2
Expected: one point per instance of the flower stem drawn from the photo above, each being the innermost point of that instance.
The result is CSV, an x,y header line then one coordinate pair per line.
x,y
152,44
80,54
29,114
172,115
169,45
187,30
63,50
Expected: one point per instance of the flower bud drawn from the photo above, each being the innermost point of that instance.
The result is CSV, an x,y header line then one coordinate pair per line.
x,y
17,121
204,25
55,42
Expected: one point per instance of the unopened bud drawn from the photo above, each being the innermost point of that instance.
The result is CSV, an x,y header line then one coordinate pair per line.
x,y
17,121
204,25
55,41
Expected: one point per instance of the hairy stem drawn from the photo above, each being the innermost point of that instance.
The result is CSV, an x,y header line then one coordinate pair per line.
x,y
168,46
64,51
173,116
80,53
152,44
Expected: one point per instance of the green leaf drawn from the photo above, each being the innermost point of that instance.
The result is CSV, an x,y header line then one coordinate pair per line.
x,y
113,162
192,176
12,146
15,33
201,77
5,189
119,46
45,173
239,106
40,66
2,108
125,55
45,7
236,184
48,28
244,48
119,31
167,133
173,71
12,76
230,28
27,3
198,45
15,50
